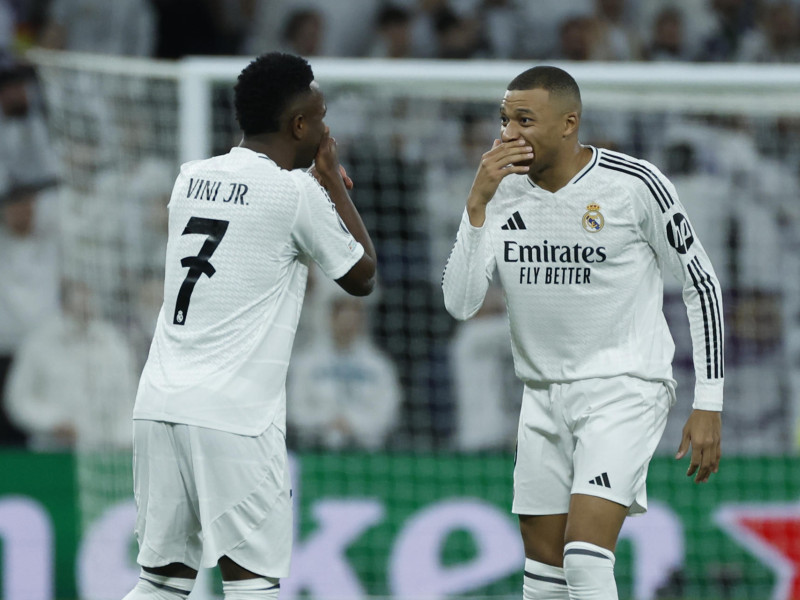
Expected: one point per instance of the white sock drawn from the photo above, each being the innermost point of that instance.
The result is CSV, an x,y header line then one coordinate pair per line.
x,y
589,571
543,582
157,587
259,588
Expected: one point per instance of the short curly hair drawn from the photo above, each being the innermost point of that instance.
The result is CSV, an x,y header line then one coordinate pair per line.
x,y
266,87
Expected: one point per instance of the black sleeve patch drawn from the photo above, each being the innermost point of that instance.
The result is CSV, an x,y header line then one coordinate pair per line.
x,y
679,233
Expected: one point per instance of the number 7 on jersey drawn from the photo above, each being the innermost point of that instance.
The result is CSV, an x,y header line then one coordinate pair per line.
x,y
198,265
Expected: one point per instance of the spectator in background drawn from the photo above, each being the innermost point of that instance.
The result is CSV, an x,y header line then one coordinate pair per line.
x,y
140,234
343,391
28,220
457,36
73,381
486,388
777,38
667,43
575,40
434,18
121,27
393,33
303,33
542,27
698,20
346,24
734,19
613,38
500,22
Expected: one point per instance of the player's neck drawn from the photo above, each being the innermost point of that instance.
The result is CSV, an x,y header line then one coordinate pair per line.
x,y
276,150
563,169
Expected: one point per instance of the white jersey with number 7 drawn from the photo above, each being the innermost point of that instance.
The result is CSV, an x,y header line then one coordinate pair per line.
x,y
241,234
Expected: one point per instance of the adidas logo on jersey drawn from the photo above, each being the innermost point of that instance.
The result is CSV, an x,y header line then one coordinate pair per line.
x,y
601,480
514,222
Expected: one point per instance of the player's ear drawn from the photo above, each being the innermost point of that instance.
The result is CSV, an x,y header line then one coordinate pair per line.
x,y
571,121
297,126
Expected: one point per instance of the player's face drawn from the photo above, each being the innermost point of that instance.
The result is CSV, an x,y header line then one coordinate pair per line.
x,y
313,110
531,116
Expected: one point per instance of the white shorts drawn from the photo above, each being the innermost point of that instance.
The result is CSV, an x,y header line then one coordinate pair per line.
x,y
593,437
202,494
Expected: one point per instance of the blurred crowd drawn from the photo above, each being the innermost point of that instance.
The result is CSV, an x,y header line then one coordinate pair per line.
x,y
604,30
392,371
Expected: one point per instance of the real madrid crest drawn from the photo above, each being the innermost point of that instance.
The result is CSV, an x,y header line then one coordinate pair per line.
x,y
593,221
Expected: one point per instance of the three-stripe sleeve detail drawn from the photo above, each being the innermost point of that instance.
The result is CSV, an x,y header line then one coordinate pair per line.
x,y
712,319
647,176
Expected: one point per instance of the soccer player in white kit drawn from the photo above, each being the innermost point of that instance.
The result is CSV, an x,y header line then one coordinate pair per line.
x,y
211,476
580,237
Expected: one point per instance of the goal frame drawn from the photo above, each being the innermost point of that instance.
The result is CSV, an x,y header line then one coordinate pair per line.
x,y
769,89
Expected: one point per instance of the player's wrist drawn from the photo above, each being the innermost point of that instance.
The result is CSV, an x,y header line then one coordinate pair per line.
x,y
330,180
476,212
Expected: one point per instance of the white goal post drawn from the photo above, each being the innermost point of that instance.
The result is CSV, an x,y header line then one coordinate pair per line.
x,y
690,87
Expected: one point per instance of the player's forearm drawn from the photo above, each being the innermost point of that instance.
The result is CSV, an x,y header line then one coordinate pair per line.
x,y
464,282
703,298
348,212
476,210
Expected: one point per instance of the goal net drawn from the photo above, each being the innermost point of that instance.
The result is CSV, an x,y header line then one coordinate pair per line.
x,y
409,452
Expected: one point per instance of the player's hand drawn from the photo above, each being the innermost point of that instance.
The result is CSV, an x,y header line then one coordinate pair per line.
x,y
326,166
703,431
348,183
496,164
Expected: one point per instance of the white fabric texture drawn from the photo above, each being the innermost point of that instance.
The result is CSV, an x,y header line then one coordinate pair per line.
x,y
544,582
593,437
157,587
259,588
244,231
582,271
202,494
589,570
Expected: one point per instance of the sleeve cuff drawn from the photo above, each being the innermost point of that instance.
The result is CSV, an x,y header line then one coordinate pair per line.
x,y
472,234
708,395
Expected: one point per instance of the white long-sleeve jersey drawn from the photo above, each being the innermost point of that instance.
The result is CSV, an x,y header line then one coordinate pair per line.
x,y
581,270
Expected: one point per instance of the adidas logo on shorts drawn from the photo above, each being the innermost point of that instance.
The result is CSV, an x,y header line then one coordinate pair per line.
x,y
601,480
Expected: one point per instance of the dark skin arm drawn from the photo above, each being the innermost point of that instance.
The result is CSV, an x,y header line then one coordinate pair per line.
x,y
360,279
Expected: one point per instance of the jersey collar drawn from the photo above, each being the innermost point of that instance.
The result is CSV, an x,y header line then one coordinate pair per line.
x,y
580,174
239,149
589,166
